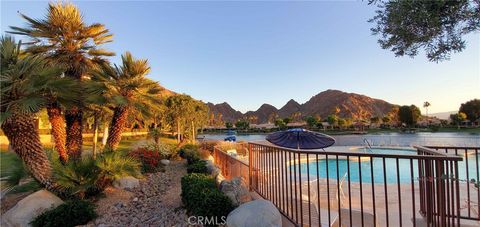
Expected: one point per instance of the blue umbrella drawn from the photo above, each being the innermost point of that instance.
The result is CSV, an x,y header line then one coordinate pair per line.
x,y
298,138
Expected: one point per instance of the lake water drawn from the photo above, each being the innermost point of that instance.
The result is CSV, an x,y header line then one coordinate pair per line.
x,y
386,139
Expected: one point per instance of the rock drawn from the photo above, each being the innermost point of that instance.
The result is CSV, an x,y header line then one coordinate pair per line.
x,y
165,162
236,190
232,152
135,199
126,183
255,213
29,208
212,169
219,179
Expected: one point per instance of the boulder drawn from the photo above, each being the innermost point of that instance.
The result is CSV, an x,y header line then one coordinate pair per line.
x,y
165,162
126,183
236,190
29,208
212,169
219,179
255,213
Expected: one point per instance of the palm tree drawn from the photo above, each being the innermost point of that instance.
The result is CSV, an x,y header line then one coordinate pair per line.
x,y
25,80
426,105
129,91
66,40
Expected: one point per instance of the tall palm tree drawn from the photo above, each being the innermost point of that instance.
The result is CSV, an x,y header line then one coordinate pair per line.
x,y
426,105
66,40
25,82
129,91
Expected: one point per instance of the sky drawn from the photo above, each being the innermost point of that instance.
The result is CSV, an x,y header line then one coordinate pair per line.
x,y
250,53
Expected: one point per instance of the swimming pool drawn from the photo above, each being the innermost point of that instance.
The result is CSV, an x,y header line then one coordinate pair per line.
x,y
378,177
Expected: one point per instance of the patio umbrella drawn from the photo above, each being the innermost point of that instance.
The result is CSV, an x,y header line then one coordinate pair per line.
x,y
300,139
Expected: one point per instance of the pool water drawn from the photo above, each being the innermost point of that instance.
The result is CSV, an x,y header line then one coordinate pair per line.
x,y
378,177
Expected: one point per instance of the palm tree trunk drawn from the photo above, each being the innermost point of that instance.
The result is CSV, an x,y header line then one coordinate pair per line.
x,y
57,120
119,119
105,134
25,142
95,135
74,143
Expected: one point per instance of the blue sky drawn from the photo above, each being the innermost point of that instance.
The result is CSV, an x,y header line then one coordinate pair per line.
x,y
250,53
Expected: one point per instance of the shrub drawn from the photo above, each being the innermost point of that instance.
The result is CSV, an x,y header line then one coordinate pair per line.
x,y
71,213
199,166
201,196
115,165
209,145
149,159
190,152
227,145
165,151
77,178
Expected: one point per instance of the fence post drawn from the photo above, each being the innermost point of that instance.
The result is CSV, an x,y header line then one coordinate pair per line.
x,y
250,163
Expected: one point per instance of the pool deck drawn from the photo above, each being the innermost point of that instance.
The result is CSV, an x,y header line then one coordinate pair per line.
x,y
365,202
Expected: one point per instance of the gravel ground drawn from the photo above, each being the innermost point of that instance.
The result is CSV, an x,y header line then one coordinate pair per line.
x,y
156,202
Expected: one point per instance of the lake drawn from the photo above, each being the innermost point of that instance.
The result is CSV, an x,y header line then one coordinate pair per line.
x,y
386,139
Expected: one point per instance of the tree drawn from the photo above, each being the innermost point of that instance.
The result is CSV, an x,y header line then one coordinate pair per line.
x,y
437,27
185,114
332,119
66,40
375,120
386,119
311,121
129,90
426,104
241,124
409,115
458,118
341,122
287,120
228,125
471,109
280,123
24,81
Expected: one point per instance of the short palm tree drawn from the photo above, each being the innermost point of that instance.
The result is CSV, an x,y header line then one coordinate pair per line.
x,y
25,82
66,40
129,91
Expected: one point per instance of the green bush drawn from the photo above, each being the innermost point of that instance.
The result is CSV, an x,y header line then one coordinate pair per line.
x,y
199,166
190,152
201,196
77,178
115,165
71,213
86,177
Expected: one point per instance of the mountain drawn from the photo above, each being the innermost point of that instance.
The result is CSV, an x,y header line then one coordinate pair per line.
x,y
288,109
443,115
350,105
266,113
345,105
224,112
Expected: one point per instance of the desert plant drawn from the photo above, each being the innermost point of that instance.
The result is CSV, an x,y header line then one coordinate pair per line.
x,y
77,178
67,40
155,134
199,166
114,165
71,213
